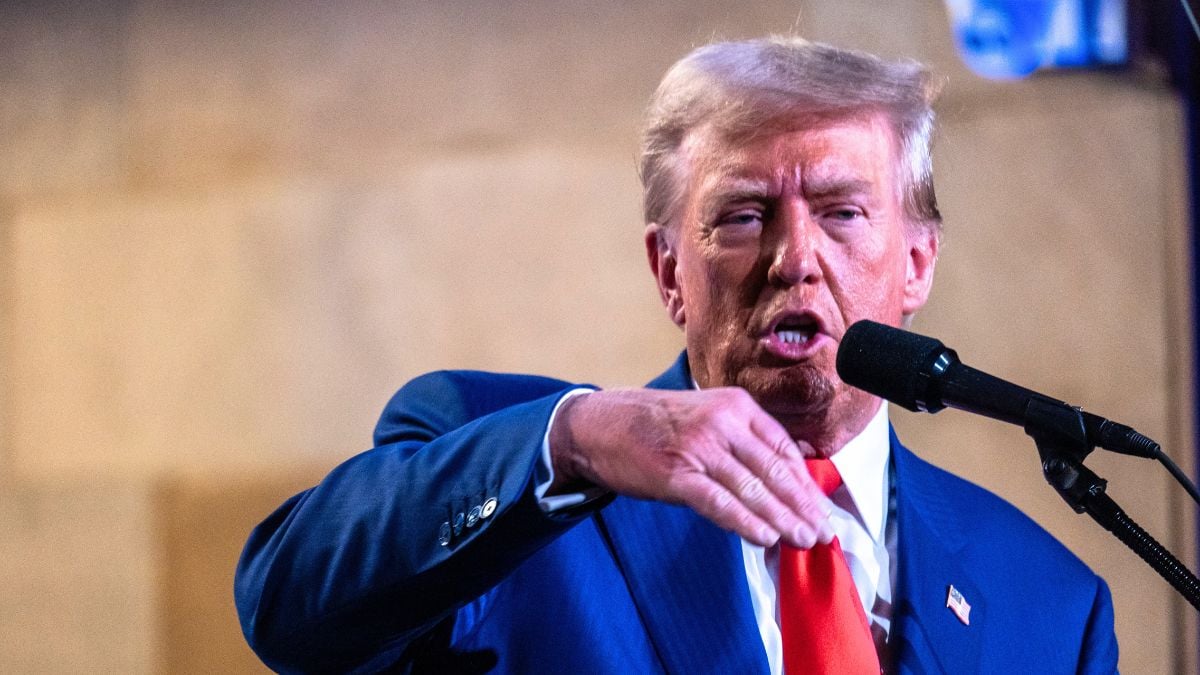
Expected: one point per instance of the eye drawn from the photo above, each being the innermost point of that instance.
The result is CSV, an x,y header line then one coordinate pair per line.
x,y
844,214
742,218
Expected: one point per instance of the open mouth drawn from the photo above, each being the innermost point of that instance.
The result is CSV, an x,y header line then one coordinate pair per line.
x,y
796,330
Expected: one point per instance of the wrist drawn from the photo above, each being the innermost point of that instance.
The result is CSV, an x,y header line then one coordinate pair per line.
x,y
564,452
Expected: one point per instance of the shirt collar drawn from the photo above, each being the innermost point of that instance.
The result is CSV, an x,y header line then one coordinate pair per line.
x,y
863,465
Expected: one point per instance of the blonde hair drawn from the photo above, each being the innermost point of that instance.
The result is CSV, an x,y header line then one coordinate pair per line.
x,y
738,89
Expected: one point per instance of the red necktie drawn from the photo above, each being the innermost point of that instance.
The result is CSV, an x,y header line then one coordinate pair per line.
x,y
821,618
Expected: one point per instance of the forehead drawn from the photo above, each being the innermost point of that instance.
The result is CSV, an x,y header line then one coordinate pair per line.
x,y
804,153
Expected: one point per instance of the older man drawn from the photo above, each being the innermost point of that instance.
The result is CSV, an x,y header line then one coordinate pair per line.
x,y
748,511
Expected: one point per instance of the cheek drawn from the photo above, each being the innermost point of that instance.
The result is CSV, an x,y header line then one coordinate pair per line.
x,y
872,282
720,297
725,277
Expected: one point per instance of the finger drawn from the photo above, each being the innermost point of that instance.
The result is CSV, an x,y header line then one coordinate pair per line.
x,y
752,492
716,503
780,462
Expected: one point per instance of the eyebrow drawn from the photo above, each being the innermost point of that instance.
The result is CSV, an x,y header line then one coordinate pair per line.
x,y
821,187
735,190
750,189
732,189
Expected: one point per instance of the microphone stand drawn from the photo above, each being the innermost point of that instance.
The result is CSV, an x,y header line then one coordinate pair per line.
x,y
1058,431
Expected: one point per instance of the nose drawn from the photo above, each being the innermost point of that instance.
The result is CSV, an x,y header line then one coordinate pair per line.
x,y
794,248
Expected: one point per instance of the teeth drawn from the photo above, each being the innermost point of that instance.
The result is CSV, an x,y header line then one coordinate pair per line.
x,y
793,336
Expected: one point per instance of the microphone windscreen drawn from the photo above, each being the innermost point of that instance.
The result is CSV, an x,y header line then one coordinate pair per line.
x,y
888,362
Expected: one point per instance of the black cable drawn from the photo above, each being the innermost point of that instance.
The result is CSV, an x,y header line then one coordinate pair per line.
x,y
1179,475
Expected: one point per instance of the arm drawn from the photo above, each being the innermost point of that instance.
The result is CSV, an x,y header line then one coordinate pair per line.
x,y
353,567
351,572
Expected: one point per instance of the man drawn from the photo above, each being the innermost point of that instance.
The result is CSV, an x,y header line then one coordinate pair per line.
x,y
523,524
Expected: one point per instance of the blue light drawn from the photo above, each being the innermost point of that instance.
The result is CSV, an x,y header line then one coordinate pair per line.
x,y
1006,39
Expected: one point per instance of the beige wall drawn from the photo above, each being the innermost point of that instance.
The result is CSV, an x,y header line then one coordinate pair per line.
x,y
230,232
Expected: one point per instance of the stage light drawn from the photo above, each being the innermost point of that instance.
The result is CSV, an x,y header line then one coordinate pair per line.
x,y
1006,39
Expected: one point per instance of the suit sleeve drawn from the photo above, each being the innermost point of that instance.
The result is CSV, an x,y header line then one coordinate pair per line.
x,y
1099,653
347,574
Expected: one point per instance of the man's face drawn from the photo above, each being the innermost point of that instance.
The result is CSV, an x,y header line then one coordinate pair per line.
x,y
779,245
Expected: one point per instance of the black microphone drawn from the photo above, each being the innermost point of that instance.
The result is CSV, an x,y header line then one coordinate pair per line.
x,y
924,375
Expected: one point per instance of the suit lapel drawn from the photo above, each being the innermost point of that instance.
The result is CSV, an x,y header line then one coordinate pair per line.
x,y
929,636
686,577
688,581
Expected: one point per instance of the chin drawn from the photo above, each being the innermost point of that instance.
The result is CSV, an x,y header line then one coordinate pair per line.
x,y
798,393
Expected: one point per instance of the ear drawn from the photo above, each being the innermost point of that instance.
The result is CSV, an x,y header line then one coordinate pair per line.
x,y
662,266
922,258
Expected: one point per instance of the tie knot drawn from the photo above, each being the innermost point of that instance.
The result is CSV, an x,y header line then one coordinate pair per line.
x,y
825,474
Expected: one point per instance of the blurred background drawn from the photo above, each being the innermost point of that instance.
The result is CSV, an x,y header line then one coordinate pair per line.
x,y
230,230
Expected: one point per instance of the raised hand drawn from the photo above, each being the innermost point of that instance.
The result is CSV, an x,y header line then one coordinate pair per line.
x,y
714,450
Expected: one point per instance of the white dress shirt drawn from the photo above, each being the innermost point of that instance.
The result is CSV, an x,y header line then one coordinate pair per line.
x,y
862,506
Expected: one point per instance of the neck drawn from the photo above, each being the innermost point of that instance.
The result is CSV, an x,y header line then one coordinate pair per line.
x,y
827,433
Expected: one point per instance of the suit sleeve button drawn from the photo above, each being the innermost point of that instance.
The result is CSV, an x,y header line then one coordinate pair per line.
x,y
444,534
459,519
489,507
473,516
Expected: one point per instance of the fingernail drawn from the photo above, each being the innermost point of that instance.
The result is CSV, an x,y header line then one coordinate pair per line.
x,y
825,531
803,537
768,536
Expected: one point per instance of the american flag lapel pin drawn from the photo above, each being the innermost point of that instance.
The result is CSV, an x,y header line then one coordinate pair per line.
x,y
959,605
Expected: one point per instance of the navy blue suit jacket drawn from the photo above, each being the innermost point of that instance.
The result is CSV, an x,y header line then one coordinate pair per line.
x,y
350,575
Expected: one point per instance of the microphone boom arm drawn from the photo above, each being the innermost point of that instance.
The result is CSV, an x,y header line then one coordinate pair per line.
x,y
1062,442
